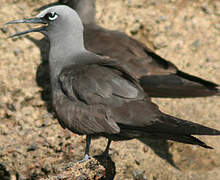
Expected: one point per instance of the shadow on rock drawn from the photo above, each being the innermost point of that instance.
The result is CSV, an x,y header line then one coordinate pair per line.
x,y
4,174
161,148
108,164
42,75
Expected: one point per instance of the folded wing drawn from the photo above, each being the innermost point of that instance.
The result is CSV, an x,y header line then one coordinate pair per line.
x,y
123,103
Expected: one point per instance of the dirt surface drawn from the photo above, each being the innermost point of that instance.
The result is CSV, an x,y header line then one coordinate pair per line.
x,y
33,144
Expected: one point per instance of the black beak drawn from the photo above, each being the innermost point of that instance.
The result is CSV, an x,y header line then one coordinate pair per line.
x,y
32,20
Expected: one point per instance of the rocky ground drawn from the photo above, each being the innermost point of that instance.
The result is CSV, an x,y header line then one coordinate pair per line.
x,y
34,146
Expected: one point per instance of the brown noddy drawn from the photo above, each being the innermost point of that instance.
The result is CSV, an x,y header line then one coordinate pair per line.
x,y
158,77
95,97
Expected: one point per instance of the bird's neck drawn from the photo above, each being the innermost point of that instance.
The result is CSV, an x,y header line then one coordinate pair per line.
x,y
86,10
64,52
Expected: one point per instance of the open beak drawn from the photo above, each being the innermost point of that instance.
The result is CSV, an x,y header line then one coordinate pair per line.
x,y
32,20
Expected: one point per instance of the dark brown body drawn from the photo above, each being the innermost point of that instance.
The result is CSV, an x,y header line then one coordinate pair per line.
x,y
103,99
158,77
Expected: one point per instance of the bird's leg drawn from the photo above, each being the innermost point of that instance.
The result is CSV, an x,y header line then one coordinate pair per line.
x,y
86,156
105,153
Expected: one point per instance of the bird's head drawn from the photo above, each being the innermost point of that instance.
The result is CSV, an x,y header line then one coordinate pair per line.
x,y
56,21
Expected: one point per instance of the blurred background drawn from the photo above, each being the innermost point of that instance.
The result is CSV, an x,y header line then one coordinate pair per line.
x,y
33,144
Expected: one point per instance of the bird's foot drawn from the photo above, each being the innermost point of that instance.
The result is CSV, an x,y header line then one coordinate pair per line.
x,y
86,157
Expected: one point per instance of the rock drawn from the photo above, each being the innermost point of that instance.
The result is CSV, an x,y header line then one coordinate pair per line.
x,y
90,169
16,52
160,42
136,27
11,107
32,147
138,175
205,9
4,30
195,45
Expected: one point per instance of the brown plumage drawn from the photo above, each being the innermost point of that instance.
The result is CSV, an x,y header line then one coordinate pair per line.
x,y
158,77
117,107
97,97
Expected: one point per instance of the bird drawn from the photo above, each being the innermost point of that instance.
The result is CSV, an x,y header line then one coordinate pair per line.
x,y
158,77
95,97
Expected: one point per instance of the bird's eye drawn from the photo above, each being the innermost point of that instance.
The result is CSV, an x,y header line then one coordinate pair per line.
x,y
51,16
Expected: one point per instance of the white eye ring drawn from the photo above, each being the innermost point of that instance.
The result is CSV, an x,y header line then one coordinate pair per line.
x,y
53,16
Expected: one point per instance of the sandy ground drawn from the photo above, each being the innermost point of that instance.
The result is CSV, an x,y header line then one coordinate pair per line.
x,y
33,144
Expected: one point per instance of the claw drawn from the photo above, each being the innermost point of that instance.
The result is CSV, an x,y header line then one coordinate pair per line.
x,y
86,157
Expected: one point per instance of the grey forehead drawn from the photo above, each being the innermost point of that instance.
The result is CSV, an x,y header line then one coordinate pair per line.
x,y
59,9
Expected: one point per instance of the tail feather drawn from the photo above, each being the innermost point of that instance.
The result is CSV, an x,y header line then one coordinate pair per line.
x,y
167,124
190,140
182,127
169,127
178,85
